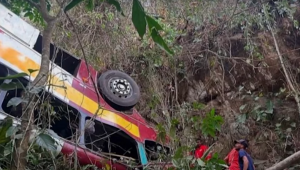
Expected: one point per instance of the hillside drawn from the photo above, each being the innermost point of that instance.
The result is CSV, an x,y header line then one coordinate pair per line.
x,y
225,59
239,58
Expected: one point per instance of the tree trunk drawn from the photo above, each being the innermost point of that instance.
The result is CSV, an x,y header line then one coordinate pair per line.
x,y
22,145
287,162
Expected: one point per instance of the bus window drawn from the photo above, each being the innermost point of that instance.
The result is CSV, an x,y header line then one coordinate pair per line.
x,y
50,113
62,118
60,57
155,150
15,111
3,72
112,142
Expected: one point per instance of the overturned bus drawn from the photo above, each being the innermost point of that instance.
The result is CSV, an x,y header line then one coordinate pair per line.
x,y
119,133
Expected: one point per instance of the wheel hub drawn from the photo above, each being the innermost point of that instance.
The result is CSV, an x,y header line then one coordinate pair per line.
x,y
120,87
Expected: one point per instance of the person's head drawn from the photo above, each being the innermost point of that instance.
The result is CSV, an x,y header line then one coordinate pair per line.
x,y
241,144
199,142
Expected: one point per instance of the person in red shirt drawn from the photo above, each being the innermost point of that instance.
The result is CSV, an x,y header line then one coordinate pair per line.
x,y
232,160
200,150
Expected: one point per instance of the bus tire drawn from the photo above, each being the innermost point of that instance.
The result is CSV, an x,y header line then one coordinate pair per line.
x,y
119,90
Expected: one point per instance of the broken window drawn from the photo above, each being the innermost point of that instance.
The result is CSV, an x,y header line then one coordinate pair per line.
x,y
155,150
10,108
3,72
110,141
50,112
60,57
15,111
61,118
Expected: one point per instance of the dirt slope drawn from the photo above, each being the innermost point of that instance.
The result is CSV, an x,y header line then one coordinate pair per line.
x,y
221,61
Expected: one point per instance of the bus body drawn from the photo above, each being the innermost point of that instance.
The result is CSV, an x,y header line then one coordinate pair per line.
x,y
20,50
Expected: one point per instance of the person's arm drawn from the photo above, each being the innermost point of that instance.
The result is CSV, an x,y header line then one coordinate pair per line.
x,y
246,162
243,156
208,157
226,159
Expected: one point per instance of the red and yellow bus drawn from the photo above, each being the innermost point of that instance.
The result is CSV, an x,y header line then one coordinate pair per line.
x,y
77,93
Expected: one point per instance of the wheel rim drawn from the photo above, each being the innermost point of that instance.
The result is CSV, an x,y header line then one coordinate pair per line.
x,y
120,87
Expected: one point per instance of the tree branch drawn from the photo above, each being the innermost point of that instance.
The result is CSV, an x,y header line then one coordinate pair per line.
x,y
290,84
42,8
22,145
287,162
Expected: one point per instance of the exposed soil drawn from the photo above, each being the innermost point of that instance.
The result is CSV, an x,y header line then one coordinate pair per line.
x,y
229,82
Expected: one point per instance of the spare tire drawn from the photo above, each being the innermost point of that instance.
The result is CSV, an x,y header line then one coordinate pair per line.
x,y
119,90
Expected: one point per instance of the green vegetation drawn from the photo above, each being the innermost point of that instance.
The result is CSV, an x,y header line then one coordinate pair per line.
x,y
218,77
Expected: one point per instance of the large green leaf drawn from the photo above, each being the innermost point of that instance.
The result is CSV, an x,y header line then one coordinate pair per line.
x,y
15,101
176,163
52,133
15,76
72,4
32,70
11,86
152,23
160,42
154,27
116,4
46,141
12,131
89,4
161,133
138,18
211,123
35,90
270,107
5,125
180,152
200,162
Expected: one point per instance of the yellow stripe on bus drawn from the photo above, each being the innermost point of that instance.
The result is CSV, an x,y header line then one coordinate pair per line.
x,y
15,58
81,100
24,63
